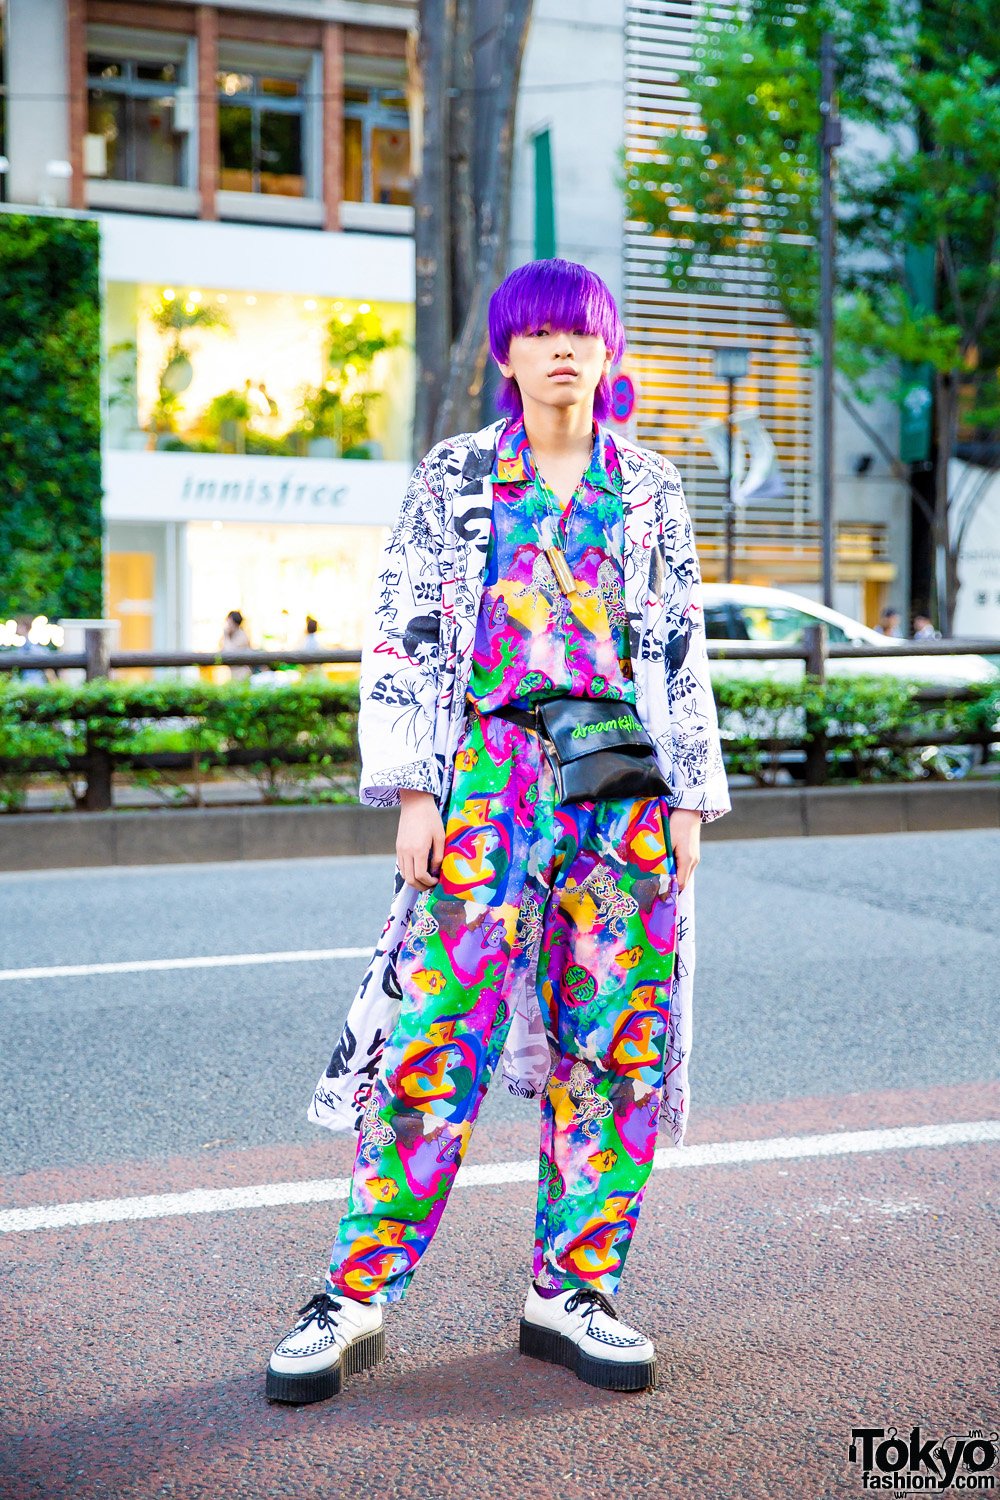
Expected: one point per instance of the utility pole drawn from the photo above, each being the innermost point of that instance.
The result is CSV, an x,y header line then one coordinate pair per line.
x,y
830,139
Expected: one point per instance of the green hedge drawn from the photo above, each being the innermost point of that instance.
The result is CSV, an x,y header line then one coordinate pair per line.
x,y
50,433
288,739
300,739
874,725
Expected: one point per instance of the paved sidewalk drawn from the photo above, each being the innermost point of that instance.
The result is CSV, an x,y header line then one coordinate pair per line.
x,y
789,1301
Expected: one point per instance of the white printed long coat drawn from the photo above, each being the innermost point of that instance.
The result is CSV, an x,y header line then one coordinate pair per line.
x,y
415,671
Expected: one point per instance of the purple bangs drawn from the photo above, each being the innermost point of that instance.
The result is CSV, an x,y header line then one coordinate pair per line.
x,y
565,295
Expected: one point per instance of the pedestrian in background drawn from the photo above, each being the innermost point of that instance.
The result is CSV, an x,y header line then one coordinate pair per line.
x,y
888,623
923,629
540,590
30,676
310,641
235,638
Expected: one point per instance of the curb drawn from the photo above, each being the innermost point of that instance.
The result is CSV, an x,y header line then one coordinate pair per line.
x,y
60,841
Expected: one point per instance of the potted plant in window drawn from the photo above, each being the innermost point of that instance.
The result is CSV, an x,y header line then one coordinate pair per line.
x,y
225,420
174,317
334,421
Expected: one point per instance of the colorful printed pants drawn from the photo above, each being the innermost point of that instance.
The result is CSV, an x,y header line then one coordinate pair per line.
x,y
589,892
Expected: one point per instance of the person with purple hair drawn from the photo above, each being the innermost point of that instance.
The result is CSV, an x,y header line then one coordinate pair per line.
x,y
542,566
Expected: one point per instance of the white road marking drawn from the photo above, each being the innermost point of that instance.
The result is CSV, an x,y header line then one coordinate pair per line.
x,y
209,961
335,1189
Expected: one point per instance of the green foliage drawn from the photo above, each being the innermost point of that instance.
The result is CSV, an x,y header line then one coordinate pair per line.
x,y
871,723
305,732
174,315
340,408
228,406
178,316
329,414
752,713
741,179
356,340
314,721
50,434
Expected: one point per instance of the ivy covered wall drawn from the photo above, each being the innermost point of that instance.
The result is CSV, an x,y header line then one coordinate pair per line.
x,y
50,417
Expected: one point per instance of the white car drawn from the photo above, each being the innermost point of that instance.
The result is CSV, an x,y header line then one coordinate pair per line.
x,y
751,615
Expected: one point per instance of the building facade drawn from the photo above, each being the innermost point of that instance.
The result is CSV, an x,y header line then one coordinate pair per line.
x,y
250,166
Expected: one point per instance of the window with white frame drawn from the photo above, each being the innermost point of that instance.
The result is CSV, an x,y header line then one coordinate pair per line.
x,y
376,139
268,115
140,108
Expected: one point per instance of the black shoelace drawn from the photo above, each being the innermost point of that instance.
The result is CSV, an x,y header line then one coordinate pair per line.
x,y
592,1295
318,1309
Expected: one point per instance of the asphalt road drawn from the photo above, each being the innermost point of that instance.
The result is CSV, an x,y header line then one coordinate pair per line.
x,y
843,985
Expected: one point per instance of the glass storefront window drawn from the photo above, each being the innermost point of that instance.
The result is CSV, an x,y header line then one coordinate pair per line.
x,y
261,134
261,374
376,145
131,105
276,576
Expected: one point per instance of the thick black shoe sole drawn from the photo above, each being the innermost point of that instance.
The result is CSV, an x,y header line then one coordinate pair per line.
x,y
301,1390
607,1374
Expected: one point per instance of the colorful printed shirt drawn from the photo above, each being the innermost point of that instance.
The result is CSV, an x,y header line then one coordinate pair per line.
x,y
533,641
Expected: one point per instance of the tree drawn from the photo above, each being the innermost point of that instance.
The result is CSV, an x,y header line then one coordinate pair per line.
x,y
919,178
461,198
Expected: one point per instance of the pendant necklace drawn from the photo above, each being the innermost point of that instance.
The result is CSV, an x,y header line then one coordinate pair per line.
x,y
561,568
555,553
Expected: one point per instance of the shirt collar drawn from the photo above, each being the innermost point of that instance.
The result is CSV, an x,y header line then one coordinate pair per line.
x,y
514,463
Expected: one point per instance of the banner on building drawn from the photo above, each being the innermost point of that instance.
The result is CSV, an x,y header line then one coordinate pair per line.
x,y
916,402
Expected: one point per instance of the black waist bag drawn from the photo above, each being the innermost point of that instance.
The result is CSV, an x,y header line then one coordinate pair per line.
x,y
598,750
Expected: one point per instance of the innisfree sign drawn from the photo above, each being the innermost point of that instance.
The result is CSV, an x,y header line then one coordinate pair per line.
x,y
231,487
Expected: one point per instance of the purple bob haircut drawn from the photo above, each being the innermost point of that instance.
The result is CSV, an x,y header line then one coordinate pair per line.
x,y
565,295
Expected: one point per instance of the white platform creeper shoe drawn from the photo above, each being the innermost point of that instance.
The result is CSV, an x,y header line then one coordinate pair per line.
x,y
581,1330
334,1336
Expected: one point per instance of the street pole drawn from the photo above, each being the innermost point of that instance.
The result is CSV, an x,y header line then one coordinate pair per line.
x,y
730,363
730,501
830,138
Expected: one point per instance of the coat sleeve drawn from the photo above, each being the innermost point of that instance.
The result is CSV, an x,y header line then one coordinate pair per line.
x,y
699,778
401,653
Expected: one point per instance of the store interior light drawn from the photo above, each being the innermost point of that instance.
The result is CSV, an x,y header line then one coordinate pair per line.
x,y
41,632
364,307
169,294
251,301
310,304
222,298
194,296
